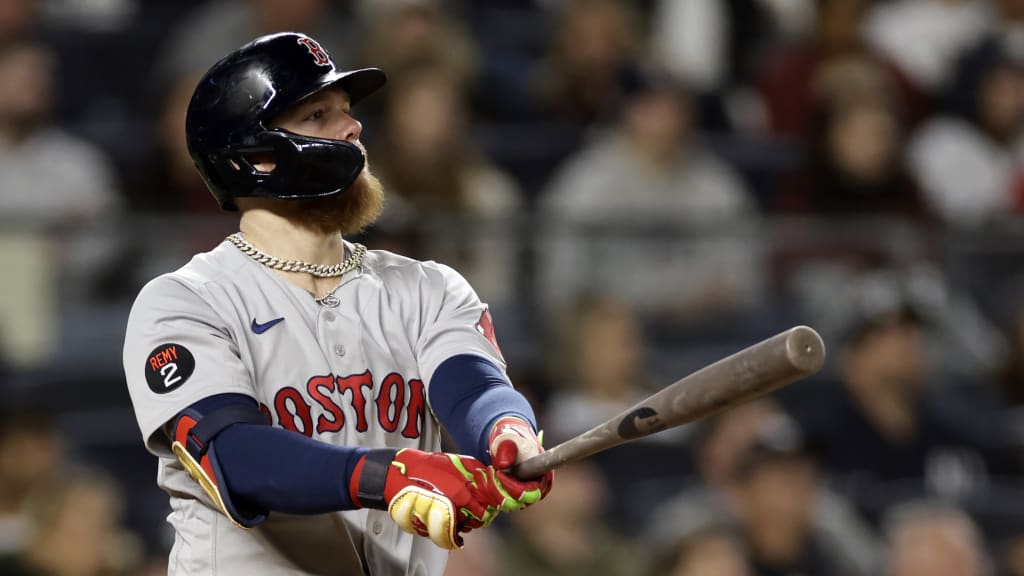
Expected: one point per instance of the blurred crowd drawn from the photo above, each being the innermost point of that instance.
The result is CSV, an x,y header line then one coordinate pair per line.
x,y
638,188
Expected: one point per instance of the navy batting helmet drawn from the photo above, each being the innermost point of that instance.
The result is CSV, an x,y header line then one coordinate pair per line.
x,y
231,108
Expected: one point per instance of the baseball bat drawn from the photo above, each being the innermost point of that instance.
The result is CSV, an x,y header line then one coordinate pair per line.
x,y
743,376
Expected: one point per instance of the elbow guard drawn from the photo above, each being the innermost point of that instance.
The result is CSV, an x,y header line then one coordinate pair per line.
x,y
193,444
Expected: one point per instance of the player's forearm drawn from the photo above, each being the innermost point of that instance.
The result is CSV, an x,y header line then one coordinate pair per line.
x,y
249,468
276,470
469,394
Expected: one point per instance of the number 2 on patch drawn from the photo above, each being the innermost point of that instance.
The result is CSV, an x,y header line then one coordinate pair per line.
x,y
167,372
168,366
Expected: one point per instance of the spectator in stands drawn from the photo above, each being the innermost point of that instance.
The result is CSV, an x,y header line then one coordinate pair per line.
x,y
936,539
757,474
604,208
18,18
1011,555
711,550
786,79
691,40
712,45
427,157
434,174
217,27
167,181
570,537
164,186
591,62
887,433
598,358
925,38
854,160
31,453
407,35
970,161
715,47
75,531
651,164
1010,25
775,485
48,176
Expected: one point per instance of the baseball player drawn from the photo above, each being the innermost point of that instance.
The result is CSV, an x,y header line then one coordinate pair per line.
x,y
292,384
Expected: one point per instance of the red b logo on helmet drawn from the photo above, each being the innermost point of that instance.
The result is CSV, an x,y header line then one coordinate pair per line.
x,y
319,54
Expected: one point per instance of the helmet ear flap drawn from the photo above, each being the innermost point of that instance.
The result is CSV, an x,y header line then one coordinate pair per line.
x,y
229,170
304,167
307,167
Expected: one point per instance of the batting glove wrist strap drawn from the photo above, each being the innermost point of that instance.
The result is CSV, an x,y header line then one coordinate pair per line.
x,y
369,479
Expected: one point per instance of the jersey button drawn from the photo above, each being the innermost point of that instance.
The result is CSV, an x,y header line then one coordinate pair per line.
x,y
339,349
329,316
378,527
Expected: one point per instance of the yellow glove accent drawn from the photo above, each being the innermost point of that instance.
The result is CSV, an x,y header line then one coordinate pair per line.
x,y
195,470
420,511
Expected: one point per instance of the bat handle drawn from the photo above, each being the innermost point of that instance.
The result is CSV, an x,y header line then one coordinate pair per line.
x,y
537,466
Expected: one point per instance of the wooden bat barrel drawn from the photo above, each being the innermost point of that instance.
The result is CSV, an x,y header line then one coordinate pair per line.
x,y
743,376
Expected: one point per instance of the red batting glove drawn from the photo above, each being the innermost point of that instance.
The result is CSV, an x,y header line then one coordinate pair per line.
x,y
430,494
512,441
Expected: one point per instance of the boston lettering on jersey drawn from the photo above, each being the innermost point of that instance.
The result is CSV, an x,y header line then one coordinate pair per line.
x,y
395,399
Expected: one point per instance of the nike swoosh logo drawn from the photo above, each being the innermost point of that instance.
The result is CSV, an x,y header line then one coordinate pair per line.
x,y
261,328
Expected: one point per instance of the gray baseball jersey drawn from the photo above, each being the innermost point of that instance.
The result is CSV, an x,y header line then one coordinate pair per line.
x,y
352,374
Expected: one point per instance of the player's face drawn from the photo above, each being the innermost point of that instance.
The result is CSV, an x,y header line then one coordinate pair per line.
x,y
326,114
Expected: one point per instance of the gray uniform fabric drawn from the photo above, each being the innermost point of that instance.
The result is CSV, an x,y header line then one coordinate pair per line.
x,y
355,374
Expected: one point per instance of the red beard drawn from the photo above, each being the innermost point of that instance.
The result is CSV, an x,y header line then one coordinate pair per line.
x,y
349,212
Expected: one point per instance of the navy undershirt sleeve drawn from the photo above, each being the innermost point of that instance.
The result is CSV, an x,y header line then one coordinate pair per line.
x,y
468,393
277,470
273,469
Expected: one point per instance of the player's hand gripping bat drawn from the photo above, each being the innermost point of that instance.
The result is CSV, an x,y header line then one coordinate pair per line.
x,y
747,374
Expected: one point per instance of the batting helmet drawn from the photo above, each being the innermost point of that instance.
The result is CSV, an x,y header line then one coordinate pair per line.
x,y
231,108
